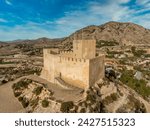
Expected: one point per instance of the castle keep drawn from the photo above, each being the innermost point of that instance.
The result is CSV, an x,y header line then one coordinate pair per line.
x,y
79,67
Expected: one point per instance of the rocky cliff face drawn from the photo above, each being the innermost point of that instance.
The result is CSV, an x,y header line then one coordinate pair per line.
x,y
123,33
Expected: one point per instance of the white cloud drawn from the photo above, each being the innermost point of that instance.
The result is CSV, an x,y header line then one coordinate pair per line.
x,y
145,4
22,32
3,20
97,13
8,2
94,13
142,2
123,1
112,11
142,20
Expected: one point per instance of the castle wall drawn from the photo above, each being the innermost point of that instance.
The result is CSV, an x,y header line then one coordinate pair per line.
x,y
77,48
96,69
88,49
84,48
50,60
74,71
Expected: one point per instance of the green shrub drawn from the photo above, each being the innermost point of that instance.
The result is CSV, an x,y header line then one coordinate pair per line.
x,y
17,94
102,43
91,98
102,108
66,106
82,110
138,53
25,102
20,99
21,84
114,96
109,99
37,90
133,48
34,102
147,55
45,103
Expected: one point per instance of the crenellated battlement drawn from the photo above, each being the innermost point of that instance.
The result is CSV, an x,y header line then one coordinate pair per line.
x,y
65,52
71,59
51,51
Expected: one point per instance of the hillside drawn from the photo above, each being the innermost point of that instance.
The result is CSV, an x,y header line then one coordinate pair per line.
x,y
122,33
28,46
40,42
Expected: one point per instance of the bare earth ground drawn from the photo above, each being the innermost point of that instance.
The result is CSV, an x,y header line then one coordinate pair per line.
x,y
8,103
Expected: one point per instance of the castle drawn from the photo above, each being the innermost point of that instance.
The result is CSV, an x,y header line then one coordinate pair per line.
x,y
79,67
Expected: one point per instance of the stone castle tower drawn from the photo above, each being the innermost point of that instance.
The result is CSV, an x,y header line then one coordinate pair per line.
x,y
79,67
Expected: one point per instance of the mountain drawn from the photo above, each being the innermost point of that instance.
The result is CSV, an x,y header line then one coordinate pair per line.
x,y
40,42
123,33
28,46
45,41
2,43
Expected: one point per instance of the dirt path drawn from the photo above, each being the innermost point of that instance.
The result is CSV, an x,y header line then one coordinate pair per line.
x,y
60,93
10,104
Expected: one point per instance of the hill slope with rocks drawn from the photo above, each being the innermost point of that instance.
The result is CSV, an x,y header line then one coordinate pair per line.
x,y
122,33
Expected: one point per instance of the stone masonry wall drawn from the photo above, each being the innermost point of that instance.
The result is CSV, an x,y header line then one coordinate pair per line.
x,y
96,69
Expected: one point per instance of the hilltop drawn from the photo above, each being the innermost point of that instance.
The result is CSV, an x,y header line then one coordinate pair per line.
x,y
122,33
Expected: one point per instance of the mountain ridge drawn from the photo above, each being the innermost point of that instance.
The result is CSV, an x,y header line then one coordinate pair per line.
x,y
125,33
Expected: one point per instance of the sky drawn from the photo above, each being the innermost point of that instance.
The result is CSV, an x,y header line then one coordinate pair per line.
x,y
31,19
